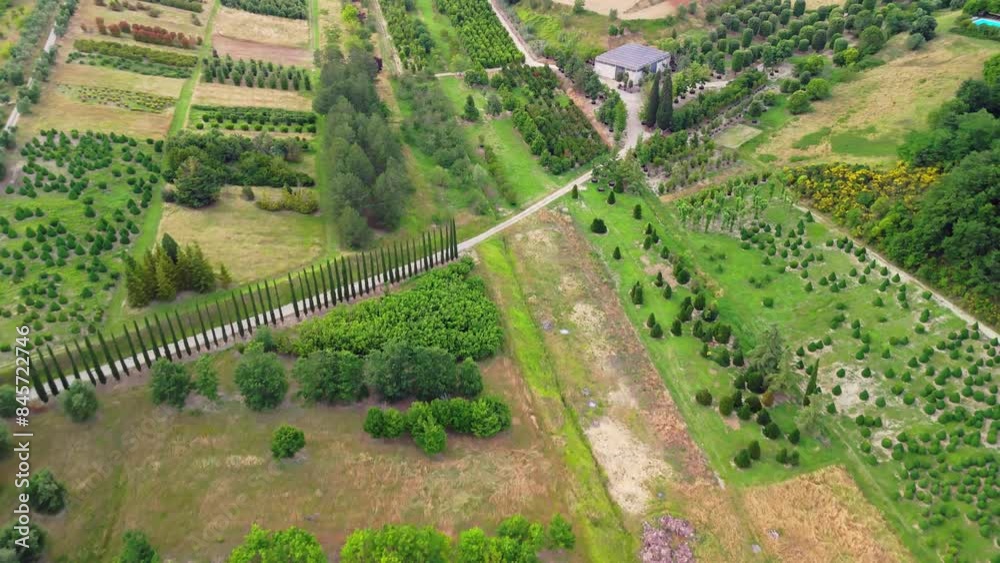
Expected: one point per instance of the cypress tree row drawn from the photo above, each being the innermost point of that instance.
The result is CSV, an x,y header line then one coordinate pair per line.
x,y
652,103
72,362
665,111
109,357
87,369
59,369
180,326
295,301
97,362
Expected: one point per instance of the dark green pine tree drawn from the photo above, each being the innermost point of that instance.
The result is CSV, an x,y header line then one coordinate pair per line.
x,y
617,254
652,103
665,111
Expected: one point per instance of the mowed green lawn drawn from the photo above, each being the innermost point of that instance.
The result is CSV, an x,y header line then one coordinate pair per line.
x,y
803,317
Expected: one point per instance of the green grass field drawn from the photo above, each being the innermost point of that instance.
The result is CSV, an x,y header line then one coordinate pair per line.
x,y
739,281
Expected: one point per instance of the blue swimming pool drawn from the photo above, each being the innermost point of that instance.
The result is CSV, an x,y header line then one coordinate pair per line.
x,y
986,21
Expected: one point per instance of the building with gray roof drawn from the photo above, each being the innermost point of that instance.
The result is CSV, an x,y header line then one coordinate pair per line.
x,y
631,61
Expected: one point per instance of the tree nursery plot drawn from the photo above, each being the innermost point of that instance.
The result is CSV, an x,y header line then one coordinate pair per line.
x,y
80,200
800,349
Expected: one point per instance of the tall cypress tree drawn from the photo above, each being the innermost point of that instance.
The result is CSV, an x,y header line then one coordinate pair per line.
x,y
365,281
267,305
665,112
108,356
333,284
72,362
239,314
145,349
180,327
338,283
48,374
173,335
59,369
295,301
253,305
119,355
222,323
152,338
97,361
39,387
326,289
652,103
277,298
321,296
396,264
204,331
136,362
346,275
86,363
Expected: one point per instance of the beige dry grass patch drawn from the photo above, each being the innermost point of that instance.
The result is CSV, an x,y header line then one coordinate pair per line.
x,y
631,465
821,517
251,242
886,101
237,24
243,49
226,95
86,75
631,9
59,111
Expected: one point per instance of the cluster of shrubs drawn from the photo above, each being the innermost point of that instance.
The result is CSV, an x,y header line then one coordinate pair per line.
x,y
301,201
426,423
291,9
517,539
257,119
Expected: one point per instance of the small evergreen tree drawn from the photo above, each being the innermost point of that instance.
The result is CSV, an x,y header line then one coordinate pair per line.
x,y
470,113
617,254
286,441
675,328
656,331
611,198
637,211
754,449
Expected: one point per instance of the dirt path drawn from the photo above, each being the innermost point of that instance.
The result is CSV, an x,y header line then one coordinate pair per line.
x,y
383,30
529,58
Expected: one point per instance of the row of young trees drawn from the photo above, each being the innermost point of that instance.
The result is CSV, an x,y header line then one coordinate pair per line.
x,y
367,178
314,289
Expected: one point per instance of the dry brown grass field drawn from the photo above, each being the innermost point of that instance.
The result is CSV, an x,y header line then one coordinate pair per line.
x,y
244,49
59,111
879,106
280,240
283,32
228,95
86,75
